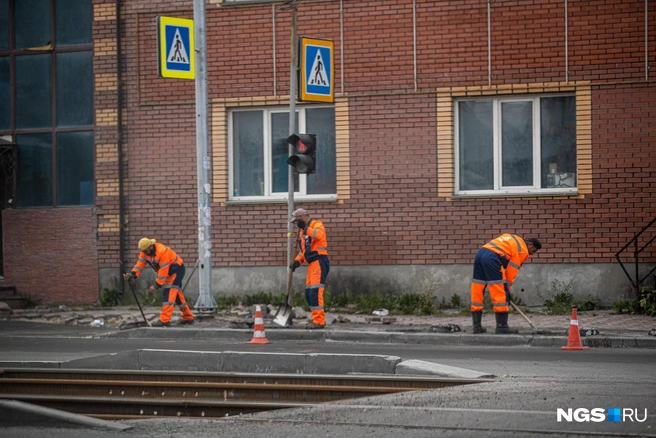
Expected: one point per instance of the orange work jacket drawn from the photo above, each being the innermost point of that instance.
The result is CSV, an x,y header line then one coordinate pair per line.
x,y
312,242
161,262
513,252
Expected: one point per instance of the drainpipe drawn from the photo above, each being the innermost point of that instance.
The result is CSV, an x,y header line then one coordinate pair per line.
x,y
414,40
647,66
566,44
489,46
119,140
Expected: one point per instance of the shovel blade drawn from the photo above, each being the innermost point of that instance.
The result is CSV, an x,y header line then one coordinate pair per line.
x,y
283,315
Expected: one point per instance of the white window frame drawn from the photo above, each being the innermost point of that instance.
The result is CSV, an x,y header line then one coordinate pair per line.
x,y
245,2
269,196
499,189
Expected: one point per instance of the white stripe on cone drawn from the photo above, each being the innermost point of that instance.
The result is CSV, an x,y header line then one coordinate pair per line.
x,y
258,329
574,322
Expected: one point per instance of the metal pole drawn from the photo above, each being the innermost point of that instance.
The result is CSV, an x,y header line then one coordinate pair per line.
x,y
292,128
206,302
119,141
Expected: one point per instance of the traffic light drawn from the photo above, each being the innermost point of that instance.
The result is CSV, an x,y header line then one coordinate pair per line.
x,y
304,153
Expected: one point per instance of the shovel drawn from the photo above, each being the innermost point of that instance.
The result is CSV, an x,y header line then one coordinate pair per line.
x,y
129,325
538,331
137,324
284,313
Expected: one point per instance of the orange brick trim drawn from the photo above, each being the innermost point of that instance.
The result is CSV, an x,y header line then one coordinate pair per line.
x,y
106,117
105,81
219,151
108,223
107,187
219,140
106,153
342,148
104,11
584,138
104,46
445,131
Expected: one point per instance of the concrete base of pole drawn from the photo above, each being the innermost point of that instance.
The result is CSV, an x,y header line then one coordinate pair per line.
x,y
205,304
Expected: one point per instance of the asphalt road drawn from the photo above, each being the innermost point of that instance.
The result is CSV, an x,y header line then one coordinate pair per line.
x,y
533,383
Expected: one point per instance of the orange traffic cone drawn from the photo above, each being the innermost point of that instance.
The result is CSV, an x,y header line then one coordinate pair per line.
x,y
574,338
258,330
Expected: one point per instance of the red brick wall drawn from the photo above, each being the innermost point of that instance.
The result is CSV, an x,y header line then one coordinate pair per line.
x,y
393,205
51,254
607,40
394,215
162,200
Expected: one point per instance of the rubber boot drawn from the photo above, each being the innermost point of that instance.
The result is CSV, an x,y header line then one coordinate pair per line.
x,y
502,324
476,319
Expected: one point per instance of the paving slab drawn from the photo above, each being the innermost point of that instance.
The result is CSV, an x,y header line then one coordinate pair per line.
x,y
599,329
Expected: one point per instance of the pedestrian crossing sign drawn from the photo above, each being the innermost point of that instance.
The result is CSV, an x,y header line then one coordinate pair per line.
x,y
317,70
175,48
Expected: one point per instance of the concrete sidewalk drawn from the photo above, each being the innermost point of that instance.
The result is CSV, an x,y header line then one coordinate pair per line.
x,y
599,328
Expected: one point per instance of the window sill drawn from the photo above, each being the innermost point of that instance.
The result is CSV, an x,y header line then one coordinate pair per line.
x,y
247,2
270,200
509,194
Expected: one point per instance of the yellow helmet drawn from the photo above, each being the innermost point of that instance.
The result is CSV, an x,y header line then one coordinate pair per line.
x,y
146,243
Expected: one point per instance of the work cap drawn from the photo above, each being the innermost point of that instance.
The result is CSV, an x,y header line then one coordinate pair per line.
x,y
536,243
298,213
145,243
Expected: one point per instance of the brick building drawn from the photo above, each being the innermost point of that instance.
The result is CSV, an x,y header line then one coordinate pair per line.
x,y
453,122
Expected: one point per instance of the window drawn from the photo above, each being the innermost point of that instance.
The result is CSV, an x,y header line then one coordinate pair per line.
x,y
516,145
259,151
46,85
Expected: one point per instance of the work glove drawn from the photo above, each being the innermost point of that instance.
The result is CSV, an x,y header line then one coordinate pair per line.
x,y
294,265
129,276
151,289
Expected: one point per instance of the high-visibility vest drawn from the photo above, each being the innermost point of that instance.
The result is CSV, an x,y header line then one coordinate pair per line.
x,y
312,242
513,252
161,262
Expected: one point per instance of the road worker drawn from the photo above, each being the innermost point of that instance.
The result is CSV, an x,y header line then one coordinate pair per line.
x,y
496,265
313,250
170,272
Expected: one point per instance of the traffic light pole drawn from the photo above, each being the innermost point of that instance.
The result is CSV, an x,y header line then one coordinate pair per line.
x,y
292,128
206,302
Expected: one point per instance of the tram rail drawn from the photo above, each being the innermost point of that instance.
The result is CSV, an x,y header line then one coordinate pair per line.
x,y
123,394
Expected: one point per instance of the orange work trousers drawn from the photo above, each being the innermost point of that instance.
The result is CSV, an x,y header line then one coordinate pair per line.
x,y
172,295
315,284
489,272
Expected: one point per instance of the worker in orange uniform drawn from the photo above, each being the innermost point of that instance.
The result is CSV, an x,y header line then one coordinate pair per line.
x,y
170,272
496,265
313,250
